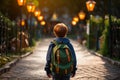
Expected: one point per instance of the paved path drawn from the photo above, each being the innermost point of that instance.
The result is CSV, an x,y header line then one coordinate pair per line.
x,y
90,67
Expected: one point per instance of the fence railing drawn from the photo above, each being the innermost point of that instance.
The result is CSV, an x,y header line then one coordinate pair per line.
x,y
115,39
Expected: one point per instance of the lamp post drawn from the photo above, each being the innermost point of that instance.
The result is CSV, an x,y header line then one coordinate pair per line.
x,y
81,15
40,18
97,33
90,4
37,12
110,32
42,23
21,3
75,20
22,22
30,8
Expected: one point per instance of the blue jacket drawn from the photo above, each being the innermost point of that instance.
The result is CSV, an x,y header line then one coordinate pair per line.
x,y
48,57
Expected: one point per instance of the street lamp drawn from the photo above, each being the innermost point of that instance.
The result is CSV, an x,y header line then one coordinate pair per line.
x,y
90,4
74,23
30,9
37,12
40,18
81,15
21,3
42,23
23,22
76,19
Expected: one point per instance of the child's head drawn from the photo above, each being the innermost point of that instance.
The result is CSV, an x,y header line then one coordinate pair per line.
x,y
60,30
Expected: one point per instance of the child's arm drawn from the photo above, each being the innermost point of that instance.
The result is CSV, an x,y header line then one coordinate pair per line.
x,y
75,61
73,54
48,59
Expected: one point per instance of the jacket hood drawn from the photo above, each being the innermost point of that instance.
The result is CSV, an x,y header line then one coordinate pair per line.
x,y
64,40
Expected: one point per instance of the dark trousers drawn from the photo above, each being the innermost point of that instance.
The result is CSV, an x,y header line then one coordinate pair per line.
x,y
59,77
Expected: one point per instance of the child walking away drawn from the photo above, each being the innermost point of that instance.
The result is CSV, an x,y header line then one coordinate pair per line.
x,y
61,58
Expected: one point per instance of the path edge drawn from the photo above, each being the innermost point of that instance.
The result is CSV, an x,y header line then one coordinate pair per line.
x,y
111,61
10,64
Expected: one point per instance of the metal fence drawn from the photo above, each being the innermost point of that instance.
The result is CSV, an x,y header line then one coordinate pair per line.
x,y
7,32
3,37
115,39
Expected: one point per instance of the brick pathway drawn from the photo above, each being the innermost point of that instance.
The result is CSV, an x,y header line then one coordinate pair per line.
x,y
90,67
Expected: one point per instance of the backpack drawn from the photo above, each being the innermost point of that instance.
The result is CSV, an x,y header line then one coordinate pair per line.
x,y
61,59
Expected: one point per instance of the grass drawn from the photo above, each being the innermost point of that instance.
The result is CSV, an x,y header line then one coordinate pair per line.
x,y
13,55
116,59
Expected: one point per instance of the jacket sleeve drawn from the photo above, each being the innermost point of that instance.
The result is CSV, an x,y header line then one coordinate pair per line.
x,y
74,55
48,58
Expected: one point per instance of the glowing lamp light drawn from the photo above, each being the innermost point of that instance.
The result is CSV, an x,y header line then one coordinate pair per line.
x,y
23,22
74,23
76,19
37,13
90,5
21,2
81,15
42,23
30,7
40,18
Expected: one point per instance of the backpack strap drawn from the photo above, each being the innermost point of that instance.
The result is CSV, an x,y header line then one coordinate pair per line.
x,y
66,50
54,42
67,53
58,55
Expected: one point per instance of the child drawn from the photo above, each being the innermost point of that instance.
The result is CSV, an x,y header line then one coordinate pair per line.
x,y
60,30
